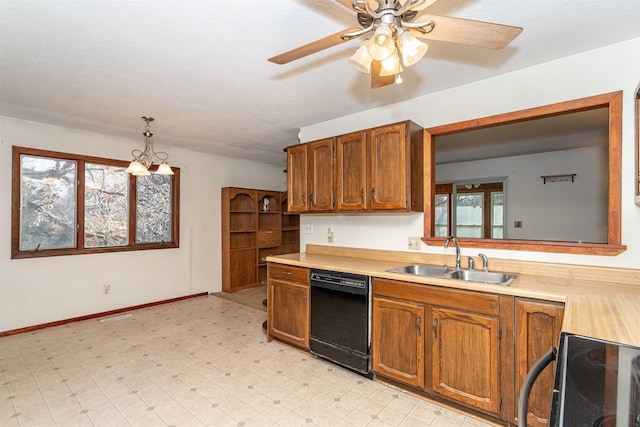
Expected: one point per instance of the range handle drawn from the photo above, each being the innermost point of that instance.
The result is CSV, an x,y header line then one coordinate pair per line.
x,y
531,377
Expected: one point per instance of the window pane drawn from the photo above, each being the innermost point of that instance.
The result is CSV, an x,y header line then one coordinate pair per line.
x,y
497,215
442,215
47,203
106,206
469,214
153,208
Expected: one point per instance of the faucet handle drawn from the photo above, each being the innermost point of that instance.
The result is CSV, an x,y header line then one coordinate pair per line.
x,y
485,262
471,262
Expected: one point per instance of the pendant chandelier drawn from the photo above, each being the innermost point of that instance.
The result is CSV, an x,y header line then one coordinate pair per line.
x,y
142,160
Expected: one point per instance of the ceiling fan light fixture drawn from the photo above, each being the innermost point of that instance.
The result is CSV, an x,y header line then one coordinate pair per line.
x,y
361,60
390,66
382,44
411,49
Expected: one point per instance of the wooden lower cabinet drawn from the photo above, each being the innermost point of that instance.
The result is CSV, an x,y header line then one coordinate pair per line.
x,y
465,353
538,325
398,340
288,304
444,342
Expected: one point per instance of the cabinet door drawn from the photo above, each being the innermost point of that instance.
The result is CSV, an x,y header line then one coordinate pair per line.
x,y
398,340
538,326
351,171
297,178
466,358
320,169
288,312
388,170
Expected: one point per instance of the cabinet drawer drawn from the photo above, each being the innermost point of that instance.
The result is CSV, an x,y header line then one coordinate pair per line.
x,y
288,273
268,238
479,302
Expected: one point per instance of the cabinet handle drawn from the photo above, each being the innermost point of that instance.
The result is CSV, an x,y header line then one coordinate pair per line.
x,y
287,273
373,194
418,322
435,328
311,199
362,195
304,197
268,231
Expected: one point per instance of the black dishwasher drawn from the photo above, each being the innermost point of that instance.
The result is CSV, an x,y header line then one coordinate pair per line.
x,y
340,319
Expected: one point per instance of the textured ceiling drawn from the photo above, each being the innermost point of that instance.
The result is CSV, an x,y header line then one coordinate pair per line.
x,y
200,67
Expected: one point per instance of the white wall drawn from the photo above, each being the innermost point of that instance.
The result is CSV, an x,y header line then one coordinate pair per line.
x,y
567,211
609,69
42,290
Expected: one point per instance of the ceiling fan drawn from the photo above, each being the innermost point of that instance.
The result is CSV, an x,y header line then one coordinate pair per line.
x,y
393,28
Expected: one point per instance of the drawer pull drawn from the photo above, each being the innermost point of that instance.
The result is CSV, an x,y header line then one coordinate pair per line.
x,y
287,273
269,232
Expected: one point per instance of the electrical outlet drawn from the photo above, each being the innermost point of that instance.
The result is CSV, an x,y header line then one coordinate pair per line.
x,y
107,289
308,229
414,243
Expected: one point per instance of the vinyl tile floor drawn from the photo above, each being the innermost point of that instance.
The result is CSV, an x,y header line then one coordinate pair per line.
x,y
204,361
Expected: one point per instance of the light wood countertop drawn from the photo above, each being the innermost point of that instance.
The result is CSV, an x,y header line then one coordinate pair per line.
x,y
606,308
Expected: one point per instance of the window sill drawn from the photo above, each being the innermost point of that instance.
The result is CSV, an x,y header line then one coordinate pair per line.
x,y
602,249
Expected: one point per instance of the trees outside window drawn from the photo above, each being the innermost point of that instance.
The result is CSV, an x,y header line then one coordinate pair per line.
x,y
64,204
473,210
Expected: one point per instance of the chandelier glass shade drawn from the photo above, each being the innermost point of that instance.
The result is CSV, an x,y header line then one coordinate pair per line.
x,y
142,160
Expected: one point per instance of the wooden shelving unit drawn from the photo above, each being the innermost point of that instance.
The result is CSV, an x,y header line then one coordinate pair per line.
x,y
253,228
290,229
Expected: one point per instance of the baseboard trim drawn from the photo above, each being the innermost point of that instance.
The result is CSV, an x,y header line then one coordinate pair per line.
x,y
96,315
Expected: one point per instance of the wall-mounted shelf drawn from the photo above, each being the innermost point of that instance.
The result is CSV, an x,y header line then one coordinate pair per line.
x,y
558,178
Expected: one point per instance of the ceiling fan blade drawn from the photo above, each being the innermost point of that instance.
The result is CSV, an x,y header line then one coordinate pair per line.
x,y
376,79
313,47
469,32
349,4
423,6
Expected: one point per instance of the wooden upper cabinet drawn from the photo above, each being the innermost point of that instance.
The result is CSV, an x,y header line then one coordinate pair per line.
x,y
297,178
351,171
320,175
538,325
388,167
379,169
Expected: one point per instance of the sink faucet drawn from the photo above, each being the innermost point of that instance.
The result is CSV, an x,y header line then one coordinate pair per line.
x,y
485,262
446,245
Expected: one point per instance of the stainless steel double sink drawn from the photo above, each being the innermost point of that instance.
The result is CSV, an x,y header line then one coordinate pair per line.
x,y
444,272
